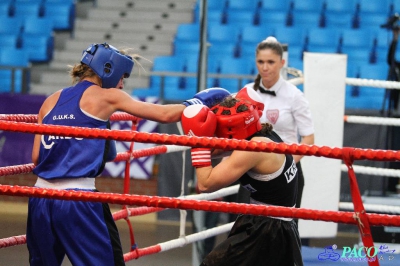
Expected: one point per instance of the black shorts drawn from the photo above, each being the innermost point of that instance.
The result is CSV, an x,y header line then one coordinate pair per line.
x,y
258,240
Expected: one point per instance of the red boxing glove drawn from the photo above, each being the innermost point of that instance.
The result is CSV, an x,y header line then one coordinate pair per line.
x,y
198,120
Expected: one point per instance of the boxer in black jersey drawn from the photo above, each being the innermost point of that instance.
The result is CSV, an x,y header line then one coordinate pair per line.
x,y
271,179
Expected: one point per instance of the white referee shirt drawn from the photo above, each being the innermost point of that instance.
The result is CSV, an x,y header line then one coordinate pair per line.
x,y
288,111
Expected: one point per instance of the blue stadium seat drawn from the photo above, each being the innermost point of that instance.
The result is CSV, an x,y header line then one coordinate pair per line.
x,y
38,25
340,7
232,85
367,97
167,63
62,13
188,32
321,49
300,6
27,9
248,5
40,47
338,21
14,57
222,48
375,7
372,20
146,92
323,37
252,35
273,18
381,54
357,38
293,36
5,8
357,55
186,47
224,33
306,19
275,5
298,64
240,66
8,40
240,18
38,39
17,58
375,72
248,50
235,66
383,37
191,63
395,5
214,17
295,53
11,25
172,92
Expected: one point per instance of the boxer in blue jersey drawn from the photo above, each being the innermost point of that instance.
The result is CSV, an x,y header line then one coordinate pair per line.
x,y
271,179
86,231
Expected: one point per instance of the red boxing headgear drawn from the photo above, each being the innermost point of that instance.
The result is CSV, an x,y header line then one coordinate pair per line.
x,y
238,125
251,96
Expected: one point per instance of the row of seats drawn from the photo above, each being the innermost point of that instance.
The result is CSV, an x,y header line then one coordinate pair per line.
x,y
370,46
313,13
27,36
334,6
34,34
14,70
292,36
61,12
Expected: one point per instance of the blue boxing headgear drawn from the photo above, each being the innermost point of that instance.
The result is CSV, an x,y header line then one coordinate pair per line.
x,y
108,63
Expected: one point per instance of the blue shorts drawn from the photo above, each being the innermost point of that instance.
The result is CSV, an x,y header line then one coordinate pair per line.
x,y
84,231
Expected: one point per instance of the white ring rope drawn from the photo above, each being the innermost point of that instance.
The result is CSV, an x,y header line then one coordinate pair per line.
x,y
176,148
179,242
387,121
371,208
372,170
373,83
214,195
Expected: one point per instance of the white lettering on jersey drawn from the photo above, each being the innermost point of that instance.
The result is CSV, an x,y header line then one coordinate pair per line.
x,y
63,117
291,172
250,188
47,144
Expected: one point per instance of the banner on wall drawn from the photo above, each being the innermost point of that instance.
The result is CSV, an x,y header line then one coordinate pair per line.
x,y
140,168
16,148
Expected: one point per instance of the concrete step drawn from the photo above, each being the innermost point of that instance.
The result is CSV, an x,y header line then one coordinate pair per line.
x,y
142,37
139,16
148,5
75,48
97,24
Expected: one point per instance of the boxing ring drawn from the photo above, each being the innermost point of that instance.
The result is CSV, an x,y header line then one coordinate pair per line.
x,y
357,213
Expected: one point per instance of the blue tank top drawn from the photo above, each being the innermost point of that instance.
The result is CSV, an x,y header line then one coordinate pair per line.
x,y
70,157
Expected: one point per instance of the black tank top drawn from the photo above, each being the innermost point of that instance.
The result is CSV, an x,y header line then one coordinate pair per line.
x,y
280,191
